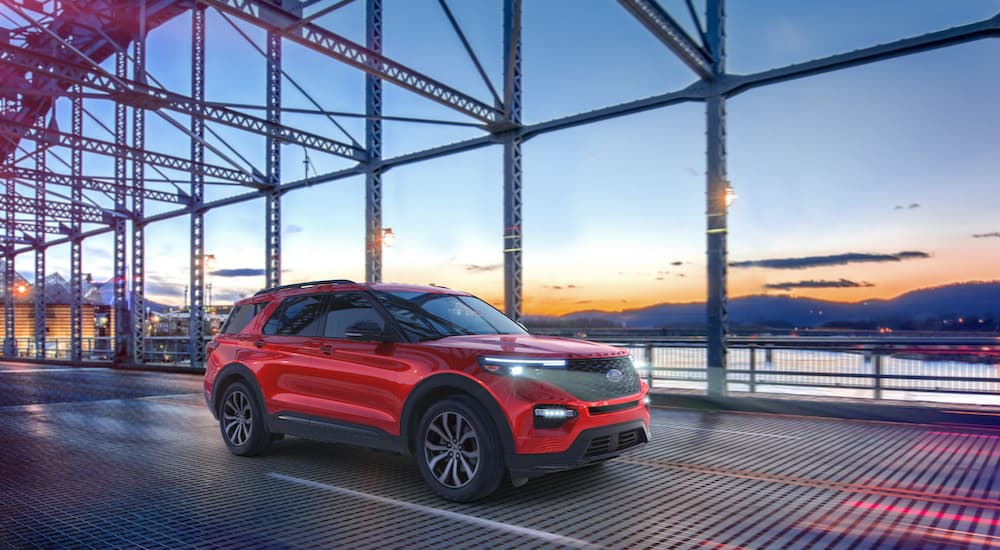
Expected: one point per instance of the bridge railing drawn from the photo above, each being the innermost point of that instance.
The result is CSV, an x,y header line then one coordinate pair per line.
x,y
946,369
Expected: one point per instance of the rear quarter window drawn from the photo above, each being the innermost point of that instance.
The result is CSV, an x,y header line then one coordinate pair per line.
x,y
240,317
297,316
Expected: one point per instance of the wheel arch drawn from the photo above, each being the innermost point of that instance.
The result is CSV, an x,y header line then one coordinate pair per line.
x,y
440,386
235,372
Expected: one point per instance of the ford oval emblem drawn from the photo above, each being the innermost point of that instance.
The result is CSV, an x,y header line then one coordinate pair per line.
x,y
615,375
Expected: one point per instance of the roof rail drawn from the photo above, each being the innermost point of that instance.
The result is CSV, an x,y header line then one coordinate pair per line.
x,y
304,285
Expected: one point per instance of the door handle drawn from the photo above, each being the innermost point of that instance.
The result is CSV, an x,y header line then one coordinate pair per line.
x,y
326,350
259,343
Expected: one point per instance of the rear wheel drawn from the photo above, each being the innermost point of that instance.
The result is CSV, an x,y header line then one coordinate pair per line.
x,y
459,452
241,420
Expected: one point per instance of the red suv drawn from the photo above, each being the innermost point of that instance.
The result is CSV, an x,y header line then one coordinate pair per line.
x,y
419,370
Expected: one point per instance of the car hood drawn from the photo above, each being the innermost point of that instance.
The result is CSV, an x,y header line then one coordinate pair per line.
x,y
528,345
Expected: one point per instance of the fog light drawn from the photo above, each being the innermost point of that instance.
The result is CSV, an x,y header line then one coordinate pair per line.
x,y
552,416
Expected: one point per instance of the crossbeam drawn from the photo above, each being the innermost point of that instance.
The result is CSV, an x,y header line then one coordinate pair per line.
x,y
88,183
90,145
58,210
316,38
735,84
137,94
667,30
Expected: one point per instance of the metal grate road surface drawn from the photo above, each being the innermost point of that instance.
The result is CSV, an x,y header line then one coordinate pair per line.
x,y
110,459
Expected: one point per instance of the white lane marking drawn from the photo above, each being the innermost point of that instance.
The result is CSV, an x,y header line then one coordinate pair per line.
x,y
672,427
475,520
77,369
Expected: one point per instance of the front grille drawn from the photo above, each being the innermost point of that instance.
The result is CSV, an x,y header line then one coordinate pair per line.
x,y
587,379
615,442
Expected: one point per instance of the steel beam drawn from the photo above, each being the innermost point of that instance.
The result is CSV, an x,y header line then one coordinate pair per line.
x,y
512,161
668,31
716,184
136,93
196,330
9,259
123,335
138,204
373,143
735,84
76,226
38,292
314,37
272,220
90,145
57,210
82,182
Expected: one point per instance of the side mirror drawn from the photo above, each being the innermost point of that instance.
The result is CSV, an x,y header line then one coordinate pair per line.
x,y
368,331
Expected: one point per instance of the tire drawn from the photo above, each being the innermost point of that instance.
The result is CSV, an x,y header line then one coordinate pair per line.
x,y
458,450
241,421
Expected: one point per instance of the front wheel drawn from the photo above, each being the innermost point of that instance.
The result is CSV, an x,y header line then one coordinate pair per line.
x,y
459,452
241,420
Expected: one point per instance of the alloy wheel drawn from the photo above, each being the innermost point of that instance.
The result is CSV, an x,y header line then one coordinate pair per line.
x,y
237,418
451,449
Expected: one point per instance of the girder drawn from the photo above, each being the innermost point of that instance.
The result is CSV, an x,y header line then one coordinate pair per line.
x,y
92,184
717,230
138,290
734,84
196,267
76,227
666,29
373,141
57,210
314,37
136,94
41,207
30,227
512,168
78,20
55,138
272,156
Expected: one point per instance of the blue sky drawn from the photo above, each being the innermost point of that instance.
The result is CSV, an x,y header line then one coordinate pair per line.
x,y
614,211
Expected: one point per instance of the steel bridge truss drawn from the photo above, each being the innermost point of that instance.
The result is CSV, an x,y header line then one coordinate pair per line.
x,y
56,48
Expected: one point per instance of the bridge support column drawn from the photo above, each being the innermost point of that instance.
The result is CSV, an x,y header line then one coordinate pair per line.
x,y
373,139
38,293
76,226
196,330
138,210
717,185
273,159
512,160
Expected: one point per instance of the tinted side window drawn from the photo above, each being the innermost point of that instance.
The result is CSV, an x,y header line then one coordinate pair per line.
x,y
347,310
297,316
240,317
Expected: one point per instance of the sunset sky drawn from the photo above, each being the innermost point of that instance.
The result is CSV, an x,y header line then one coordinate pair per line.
x,y
864,183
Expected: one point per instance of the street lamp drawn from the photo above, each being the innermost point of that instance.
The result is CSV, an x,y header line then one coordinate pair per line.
x,y
388,237
730,195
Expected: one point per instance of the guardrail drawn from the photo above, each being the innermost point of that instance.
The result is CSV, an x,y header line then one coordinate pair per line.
x,y
174,351
945,369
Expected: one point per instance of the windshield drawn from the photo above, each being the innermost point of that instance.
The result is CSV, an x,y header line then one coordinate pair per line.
x,y
431,315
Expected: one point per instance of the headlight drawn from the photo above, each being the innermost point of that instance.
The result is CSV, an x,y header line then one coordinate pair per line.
x,y
512,366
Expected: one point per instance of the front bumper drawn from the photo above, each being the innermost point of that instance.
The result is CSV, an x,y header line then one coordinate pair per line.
x,y
591,446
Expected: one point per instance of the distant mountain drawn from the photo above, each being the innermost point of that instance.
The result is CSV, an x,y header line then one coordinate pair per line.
x,y
973,300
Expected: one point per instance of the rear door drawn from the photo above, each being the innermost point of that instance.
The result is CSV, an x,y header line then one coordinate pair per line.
x,y
288,344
